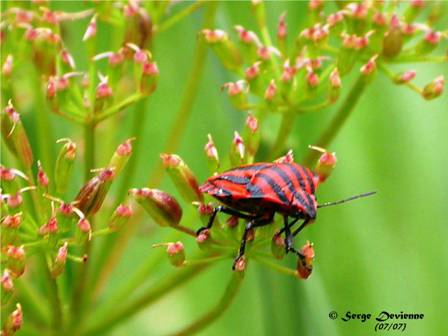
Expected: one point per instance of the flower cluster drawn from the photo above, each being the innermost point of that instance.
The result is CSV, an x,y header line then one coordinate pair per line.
x,y
305,72
222,241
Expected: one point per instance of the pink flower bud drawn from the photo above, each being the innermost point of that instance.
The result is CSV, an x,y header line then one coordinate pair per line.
x,y
417,3
288,158
15,200
14,321
234,88
305,261
61,256
316,33
6,174
288,72
120,216
66,209
84,225
253,71
335,18
252,122
141,56
176,253
434,89
6,280
24,16
161,206
214,36
357,10
12,221
271,91
42,177
370,66
31,34
116,58
247,36
239,144
124,210
325,165
50,227
12,113
150,69
50,16
203,238
335,79
67,58
15,252
182,177
125,149
240,264
52,87
312,79
379,19
103,90
278,247
91,29
7,66
131,8
210,149
315,4
265,53
433,37
405,77
282,28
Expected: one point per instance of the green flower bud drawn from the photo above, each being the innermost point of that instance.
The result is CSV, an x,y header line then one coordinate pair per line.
x,y
161,206
434,89
120,217
226,51
64,165
7,287
182,177
176,253
305,261
15,259
278,247
15,136
121,156
58,265
393,40
14,321
91,196
326,164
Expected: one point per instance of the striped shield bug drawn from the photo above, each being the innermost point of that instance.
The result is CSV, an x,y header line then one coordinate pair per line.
x,y
257,191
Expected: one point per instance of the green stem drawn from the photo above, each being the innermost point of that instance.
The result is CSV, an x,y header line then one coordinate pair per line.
x,y
189,97
286,127
172,20
54,297
209,317
89,143
118,314
275,266
44,129
338,121
32,298
109,112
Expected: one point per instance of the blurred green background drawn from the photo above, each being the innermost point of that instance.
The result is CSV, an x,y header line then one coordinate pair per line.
x,y
387,252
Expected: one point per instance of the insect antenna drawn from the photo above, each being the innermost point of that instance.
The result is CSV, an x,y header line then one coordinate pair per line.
x,y
347,199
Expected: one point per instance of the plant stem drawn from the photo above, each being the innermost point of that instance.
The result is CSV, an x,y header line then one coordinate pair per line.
x,y
286,127
209,317
89,143
28,295
275,266
172,20
54,297
118,314
338,121
189,97
107,113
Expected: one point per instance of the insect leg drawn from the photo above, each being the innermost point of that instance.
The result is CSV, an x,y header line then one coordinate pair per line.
x,y
226,210
300,228
290,226
250,225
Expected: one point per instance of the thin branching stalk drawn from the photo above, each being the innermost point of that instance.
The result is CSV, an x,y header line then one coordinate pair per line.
x,y
339,119
118,314
183,114
219,309
171,21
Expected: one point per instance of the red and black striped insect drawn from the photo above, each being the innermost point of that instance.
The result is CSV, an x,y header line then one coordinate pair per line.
x,y
256,192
